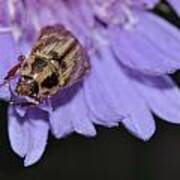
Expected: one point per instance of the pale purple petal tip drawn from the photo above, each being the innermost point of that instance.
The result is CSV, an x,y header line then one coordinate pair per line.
x,y
18,133
140,123
28,136
82,122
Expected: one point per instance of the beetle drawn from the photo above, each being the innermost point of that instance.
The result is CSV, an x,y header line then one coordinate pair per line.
x,y
57,60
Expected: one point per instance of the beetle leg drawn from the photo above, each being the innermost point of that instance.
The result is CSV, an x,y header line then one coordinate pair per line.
x,y
21,58
10,75
27,103
13,71
22,104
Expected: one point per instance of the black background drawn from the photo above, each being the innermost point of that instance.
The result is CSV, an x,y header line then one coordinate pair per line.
x,y
112,154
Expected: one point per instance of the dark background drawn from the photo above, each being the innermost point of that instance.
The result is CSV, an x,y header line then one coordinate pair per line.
x,y
112,154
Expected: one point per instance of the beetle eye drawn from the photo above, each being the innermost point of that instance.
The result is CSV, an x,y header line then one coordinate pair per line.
x,y
39,64
26,78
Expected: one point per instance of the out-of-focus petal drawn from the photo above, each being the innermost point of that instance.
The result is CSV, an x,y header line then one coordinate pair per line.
x,y
18,133
82,27
8,54
176,5
121,101
146,3
84,12
151,46
151,3
38,128
4,16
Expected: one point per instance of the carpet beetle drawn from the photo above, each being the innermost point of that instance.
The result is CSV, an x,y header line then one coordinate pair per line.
x,y
57,60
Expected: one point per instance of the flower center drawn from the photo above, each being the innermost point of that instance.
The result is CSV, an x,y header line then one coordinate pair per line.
x,y
113,11
28,16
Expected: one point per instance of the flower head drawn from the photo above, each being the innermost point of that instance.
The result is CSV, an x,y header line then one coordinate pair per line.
x,y
131,51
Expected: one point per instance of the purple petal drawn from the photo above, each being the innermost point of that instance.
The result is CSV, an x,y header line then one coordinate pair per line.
x,y
100,97
119,97
140,123
81,122
162,96
147,3
18,133
8,54
151,3
38,128
28,136
176,5
5,93
21,111
60,121
108,124
4,15
144,46
72,116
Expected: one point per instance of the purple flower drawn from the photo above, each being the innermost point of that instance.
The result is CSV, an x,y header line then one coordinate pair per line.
x,y
176,5
131,51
